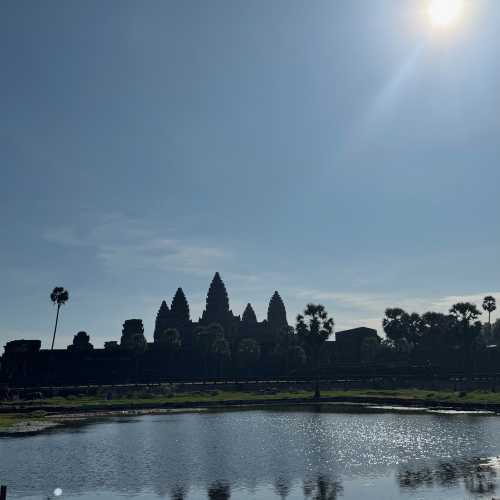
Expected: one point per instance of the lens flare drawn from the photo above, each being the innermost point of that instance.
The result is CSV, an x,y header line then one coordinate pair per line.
x,y
445,13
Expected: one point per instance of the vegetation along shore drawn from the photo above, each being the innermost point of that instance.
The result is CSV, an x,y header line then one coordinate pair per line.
x,y
28,417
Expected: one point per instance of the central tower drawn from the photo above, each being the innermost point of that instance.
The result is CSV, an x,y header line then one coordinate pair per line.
x,y
217,308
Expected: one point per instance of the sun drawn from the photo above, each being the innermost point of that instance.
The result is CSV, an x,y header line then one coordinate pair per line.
x,y
445,13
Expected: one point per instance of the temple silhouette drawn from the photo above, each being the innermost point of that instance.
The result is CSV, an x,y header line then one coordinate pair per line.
x,y
219,344
217,311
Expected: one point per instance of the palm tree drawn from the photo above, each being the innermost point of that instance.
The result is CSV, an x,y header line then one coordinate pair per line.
x,y
489,305
464,313
59,296
313,328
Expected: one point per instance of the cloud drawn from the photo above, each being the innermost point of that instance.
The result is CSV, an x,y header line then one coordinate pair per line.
x,y
124,244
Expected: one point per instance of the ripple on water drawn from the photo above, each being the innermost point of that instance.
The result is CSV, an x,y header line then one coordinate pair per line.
x,y
261,451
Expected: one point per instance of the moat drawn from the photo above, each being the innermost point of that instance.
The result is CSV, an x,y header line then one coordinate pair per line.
x,y
311,452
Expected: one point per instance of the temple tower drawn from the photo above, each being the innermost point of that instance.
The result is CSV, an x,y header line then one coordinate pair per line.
x,y
276,314
179,311
162,320
249,317
217,308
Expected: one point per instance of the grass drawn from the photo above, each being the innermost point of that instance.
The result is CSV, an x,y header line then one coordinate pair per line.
x,y
180,398
8,420
137,400
140,399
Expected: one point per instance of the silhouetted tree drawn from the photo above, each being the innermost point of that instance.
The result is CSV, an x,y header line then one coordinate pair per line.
x,y
438,335
465,313
170,342
169,339
495,331
489,305
205,338
248,353
221,352
414,329
404,329
59,297
313,328
395,325
287,351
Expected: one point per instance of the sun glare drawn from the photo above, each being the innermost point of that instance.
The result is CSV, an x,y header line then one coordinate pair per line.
x,y
445,13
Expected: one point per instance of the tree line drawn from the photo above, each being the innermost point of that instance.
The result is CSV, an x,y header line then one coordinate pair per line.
x,y
432,337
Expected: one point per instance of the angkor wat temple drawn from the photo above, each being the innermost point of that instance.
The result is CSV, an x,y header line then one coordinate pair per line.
x,y
220,343
217,310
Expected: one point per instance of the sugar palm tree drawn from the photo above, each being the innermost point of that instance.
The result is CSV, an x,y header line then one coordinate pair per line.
x,y
489,305
313,328
465,313
59,297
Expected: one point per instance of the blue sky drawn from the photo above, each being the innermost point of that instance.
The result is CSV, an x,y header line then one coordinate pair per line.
x,y
338,151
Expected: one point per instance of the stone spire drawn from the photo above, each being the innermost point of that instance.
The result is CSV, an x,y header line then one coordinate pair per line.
x,y
217,308
249,316
180,307
162,320
276,313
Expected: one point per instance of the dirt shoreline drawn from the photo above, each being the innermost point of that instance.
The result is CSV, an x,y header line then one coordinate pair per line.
x,y
70,415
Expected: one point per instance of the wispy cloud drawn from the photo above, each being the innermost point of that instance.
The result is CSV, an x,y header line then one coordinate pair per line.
x,y
122,243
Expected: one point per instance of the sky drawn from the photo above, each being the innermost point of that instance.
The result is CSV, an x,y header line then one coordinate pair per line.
x,y
340,151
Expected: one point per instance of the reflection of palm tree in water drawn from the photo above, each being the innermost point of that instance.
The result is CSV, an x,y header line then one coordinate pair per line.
x,y
220,490
322,488
282,487
178,493
478,476
481,480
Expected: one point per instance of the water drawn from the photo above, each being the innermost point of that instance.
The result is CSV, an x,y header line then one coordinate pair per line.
x,y
294,453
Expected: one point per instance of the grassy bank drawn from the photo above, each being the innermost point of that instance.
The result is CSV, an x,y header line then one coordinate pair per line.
x,y
133,399
24,422
35,416
8,420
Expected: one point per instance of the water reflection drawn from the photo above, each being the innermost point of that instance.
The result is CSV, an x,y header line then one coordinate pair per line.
x,y
282,487
178,493
478,476
268,455
322,488
219,490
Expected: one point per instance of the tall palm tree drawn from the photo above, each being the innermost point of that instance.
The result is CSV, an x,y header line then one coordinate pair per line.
x,y
59,296
464,313
313,328
489,305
